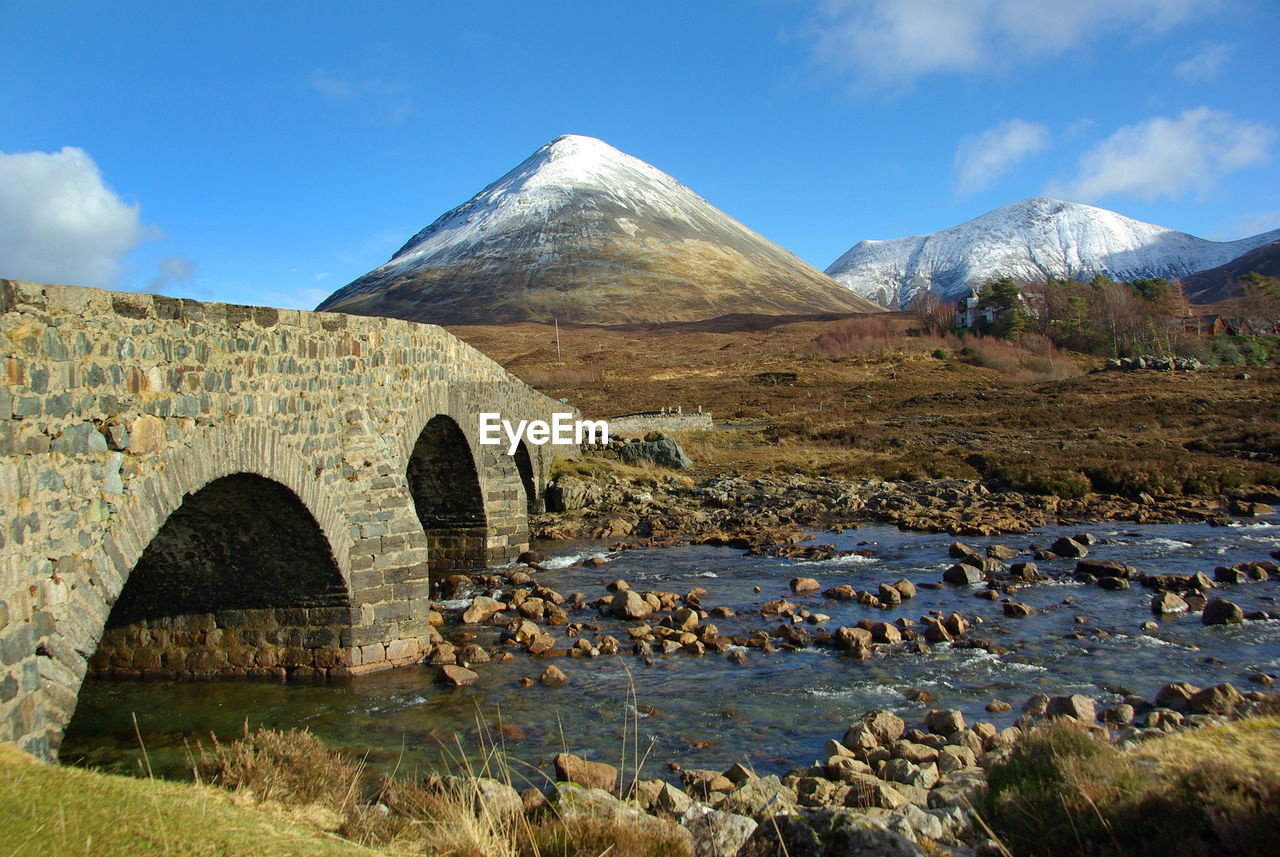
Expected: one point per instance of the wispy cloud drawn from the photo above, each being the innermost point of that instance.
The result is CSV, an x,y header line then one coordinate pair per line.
x,y
1169,157
1205,65
176,270
982,158
888,44
391,100
59,222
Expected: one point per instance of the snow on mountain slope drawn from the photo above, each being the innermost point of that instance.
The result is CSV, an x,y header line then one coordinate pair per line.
x,y
583,232
1029,240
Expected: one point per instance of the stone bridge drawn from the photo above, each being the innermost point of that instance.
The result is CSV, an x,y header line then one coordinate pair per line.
x,y
205,489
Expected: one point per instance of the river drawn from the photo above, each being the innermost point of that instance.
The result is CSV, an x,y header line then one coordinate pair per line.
x,y
773,713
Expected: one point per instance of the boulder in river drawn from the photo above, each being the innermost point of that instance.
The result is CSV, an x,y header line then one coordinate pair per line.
x,y
1166,603
1219,611
1069,547
963,574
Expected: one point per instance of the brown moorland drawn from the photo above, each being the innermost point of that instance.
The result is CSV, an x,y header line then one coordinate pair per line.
x,y
870,396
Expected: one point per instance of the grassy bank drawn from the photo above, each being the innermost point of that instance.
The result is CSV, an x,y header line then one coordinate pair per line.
x,y
1212,791
49,810
1059,791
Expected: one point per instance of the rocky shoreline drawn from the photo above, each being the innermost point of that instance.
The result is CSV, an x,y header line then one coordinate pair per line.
x,y
884,787
768,512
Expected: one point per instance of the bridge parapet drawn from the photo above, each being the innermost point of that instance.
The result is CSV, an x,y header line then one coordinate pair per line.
x,y
120,409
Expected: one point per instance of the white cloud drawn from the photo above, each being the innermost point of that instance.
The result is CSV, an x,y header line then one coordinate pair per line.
x,y
174,270
888,43
982,158
1169,157
59,222
1204,66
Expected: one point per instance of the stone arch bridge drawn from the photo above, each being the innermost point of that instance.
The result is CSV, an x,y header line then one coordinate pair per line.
x,y
203,489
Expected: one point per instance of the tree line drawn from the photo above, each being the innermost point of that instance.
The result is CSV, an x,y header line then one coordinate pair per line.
x,y
1102,316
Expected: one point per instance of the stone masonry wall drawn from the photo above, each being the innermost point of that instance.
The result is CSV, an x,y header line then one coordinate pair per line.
x,y
116,407
638,425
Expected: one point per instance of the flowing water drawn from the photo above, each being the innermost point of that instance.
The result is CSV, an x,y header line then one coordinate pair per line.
x,y
776,711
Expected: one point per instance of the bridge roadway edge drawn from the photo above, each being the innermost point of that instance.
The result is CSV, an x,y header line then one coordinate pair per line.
x,y
117,407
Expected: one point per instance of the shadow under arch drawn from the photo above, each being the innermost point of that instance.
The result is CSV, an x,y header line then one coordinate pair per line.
x,y
445,485
524,466
238,581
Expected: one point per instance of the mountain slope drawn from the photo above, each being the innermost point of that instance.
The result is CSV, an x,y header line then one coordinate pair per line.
x,y
1029,240
1218,283
582,232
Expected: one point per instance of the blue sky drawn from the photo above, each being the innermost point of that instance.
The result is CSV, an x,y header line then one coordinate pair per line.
x,y
271,152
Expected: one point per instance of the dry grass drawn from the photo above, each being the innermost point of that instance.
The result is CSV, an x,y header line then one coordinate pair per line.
x,y
51,810
1041,420
1211,792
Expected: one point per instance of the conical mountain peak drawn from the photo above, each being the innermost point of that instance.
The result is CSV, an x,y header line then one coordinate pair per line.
x,y
580,231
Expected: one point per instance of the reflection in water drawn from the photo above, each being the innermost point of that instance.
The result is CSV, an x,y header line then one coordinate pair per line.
x,y
776,711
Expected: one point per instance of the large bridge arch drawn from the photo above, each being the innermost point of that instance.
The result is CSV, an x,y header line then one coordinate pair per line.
x,y
73,644
116,408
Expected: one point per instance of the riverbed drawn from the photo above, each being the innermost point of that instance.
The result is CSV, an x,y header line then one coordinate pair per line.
x,y
775,711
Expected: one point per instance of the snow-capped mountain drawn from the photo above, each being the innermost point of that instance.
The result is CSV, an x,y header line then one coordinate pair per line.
x,y
1029,240
582,232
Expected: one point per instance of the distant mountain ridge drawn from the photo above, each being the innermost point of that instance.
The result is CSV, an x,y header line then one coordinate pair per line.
x,y
581,232
1029,240
1219,283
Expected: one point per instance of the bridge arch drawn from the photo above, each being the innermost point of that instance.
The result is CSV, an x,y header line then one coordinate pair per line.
x,y
448,496
152,533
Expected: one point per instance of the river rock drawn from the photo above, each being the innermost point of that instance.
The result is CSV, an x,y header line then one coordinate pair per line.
x,y
456,676
591,775
1176,695
882,632
1114,584
905,588
553,676
671,801
935,631
1121,714
1069,547
944,721
715,833
629,604
1219,611
1166,603
1219,699
760,798
482,607
705,784
954,758
889,594
960,550
804,584
963,574
1075,706
1016,610
1223,574
886,726
1102,568
843,592
1025,570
